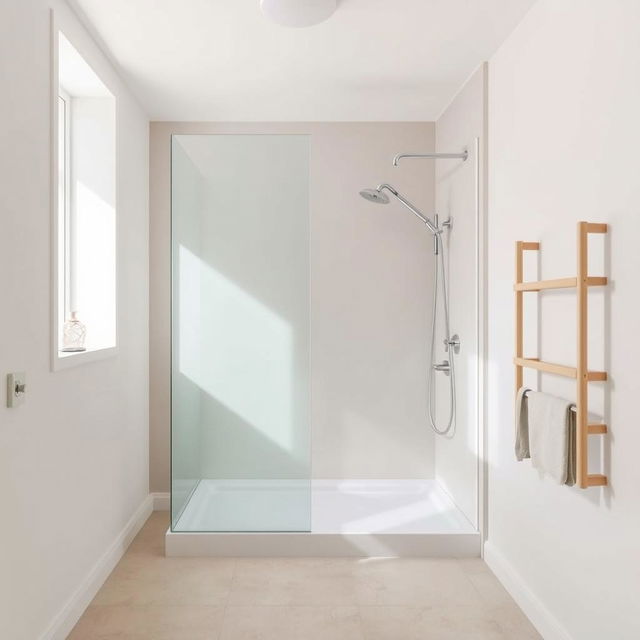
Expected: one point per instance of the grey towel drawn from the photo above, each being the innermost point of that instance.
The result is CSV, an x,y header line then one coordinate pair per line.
x,y
571,444
552,426
522,425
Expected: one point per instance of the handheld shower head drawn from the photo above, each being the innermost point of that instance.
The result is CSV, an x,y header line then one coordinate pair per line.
x,y
375,195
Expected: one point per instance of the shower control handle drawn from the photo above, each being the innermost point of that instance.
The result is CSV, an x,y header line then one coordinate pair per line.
x,y
442,366
453,341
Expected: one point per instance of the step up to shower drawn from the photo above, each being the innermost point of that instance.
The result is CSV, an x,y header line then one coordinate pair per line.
x,y
461,545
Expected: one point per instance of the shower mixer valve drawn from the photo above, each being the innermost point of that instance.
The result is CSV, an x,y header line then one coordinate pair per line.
x,y
453,341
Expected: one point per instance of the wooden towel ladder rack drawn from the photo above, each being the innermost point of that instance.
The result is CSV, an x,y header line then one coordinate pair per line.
x,y
580,372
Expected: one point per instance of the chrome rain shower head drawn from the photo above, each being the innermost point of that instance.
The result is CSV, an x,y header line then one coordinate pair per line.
x,y
375,195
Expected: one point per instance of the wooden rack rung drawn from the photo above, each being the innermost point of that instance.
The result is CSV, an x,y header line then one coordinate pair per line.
x,y
548,367
559,283
595,429
558,369
596,480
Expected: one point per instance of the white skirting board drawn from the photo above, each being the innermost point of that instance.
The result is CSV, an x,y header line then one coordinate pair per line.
x,y
66,619
543,620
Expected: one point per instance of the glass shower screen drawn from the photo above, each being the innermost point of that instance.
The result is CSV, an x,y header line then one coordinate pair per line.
x,y
240,429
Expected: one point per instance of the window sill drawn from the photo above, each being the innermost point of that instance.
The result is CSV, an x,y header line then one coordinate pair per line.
x,y
62,360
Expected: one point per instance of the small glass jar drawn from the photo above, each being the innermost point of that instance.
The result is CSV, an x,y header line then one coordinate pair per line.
x,y
73,334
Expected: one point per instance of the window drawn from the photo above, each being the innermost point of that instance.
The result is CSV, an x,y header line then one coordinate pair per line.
x,y
85,314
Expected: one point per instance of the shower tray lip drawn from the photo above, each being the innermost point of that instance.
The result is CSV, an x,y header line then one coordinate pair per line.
x,y
351,506
349,517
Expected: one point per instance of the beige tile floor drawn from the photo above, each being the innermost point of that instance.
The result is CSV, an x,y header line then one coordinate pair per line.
x,y
150,597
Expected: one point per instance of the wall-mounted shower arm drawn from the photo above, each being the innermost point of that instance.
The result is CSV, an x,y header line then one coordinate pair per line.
x,y
463,155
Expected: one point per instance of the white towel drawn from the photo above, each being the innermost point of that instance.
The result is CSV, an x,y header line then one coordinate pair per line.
x,y
552,436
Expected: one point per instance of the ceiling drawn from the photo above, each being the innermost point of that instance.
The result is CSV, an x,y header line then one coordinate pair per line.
x,y
372,60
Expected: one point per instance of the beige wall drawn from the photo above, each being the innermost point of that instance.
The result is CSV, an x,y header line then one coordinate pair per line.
x,y
564,134
73,458
370,297
460,195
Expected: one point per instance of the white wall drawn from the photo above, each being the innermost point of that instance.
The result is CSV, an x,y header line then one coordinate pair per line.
x,y
564,133
459,191
73,459
370,299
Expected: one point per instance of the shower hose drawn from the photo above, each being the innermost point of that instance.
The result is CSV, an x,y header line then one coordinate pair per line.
x,y
439,273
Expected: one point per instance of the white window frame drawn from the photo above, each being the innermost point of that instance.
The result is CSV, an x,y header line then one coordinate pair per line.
x,y
60,220
65,308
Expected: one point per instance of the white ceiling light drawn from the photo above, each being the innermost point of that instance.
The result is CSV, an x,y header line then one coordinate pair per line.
x,y
298,13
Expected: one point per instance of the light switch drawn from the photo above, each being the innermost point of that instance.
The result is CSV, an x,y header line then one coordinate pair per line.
x,y
16,388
